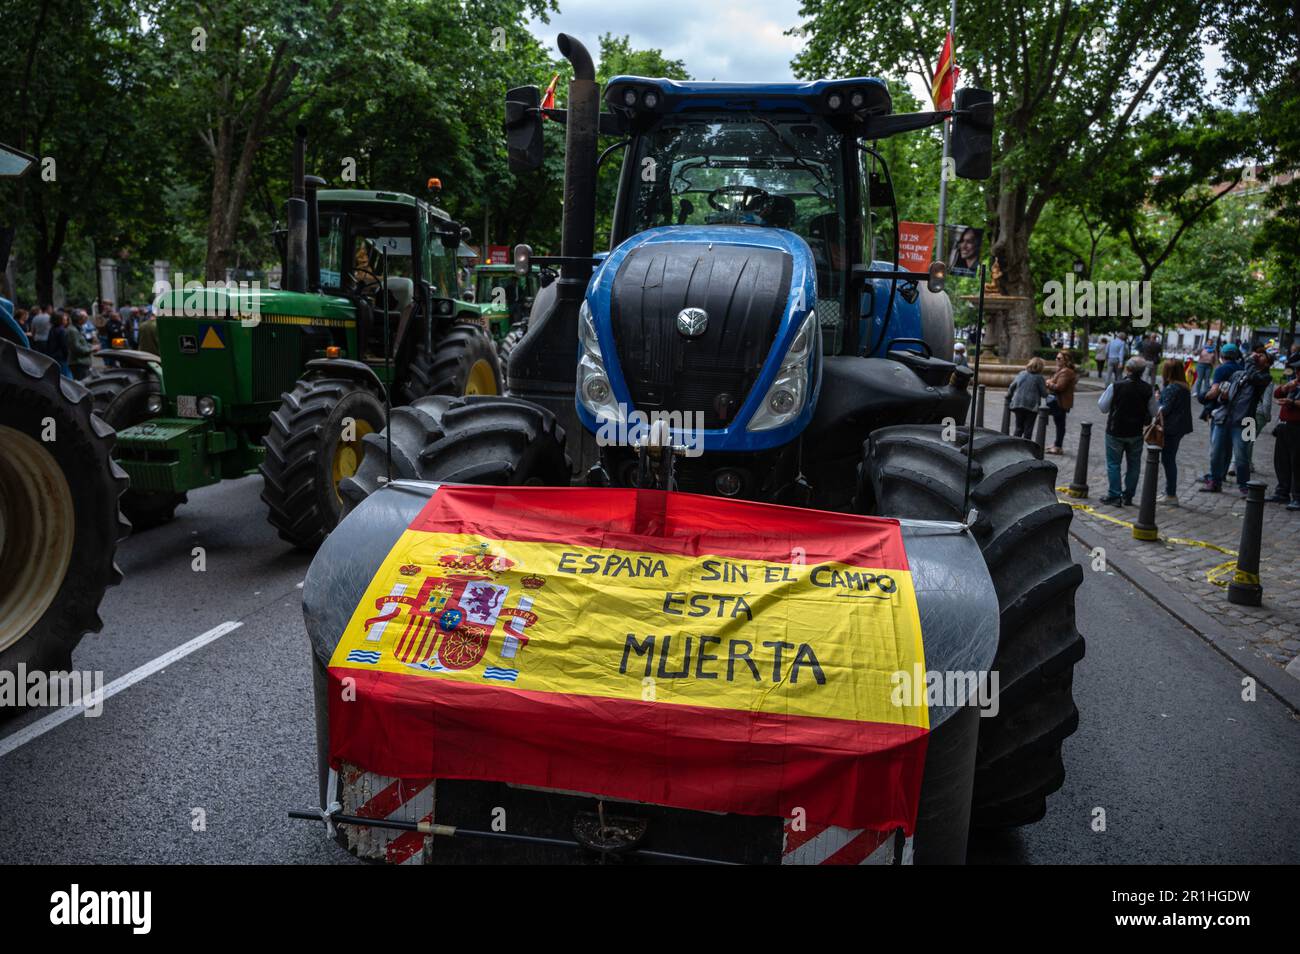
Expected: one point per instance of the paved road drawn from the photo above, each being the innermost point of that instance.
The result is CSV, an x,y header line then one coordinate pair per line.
x,y
1185,771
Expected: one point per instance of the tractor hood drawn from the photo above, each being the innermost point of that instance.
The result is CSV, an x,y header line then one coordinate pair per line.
x,y
698,323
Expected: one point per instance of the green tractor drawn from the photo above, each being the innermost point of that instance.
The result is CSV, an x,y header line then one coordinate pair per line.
x,y
288,381
506,298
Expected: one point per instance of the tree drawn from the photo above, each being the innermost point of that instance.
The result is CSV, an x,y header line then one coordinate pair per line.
x,y
72,88
1069,81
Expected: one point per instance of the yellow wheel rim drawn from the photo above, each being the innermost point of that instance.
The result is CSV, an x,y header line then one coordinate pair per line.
x,y
348,454
37,528
481,379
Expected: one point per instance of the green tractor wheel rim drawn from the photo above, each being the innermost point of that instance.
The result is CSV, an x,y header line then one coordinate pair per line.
x,y
481,380
37,528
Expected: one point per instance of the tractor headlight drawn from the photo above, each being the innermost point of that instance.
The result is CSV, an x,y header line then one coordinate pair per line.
x,y
154,404
206,405
788,394
594,390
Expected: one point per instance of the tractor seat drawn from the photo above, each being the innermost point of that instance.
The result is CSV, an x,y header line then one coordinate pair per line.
x,y
401,291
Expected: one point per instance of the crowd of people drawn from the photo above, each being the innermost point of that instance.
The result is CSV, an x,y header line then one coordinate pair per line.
x,y
1237,395
1152,402
73,336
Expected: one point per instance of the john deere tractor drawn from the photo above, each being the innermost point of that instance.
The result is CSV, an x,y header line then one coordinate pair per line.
x,y
506,298
287,381
59,489
752,300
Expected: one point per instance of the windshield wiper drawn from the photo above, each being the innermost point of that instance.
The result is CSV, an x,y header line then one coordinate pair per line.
x,y
793,151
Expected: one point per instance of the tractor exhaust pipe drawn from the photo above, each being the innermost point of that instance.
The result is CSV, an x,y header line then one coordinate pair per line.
x,y
578,234
543,367
313,184
295,264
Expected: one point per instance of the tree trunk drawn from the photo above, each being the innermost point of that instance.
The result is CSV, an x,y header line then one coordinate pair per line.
x,y
218,242
1019,336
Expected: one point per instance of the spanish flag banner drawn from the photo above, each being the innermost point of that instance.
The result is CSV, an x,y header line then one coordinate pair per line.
x,y
660,647
945,76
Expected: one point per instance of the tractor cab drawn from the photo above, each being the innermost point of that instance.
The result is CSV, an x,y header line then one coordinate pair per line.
x,y
752,296
393,257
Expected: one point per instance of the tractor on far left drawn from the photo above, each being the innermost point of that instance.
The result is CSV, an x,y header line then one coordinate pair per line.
x,y
59,489
287,381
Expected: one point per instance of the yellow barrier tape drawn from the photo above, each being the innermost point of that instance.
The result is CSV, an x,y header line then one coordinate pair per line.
x,y
1214,575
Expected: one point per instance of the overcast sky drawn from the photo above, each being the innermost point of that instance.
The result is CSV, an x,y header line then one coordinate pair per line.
x,y
739,40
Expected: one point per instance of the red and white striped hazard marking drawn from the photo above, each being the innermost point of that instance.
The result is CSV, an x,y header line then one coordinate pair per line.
x,y
830,845
378,796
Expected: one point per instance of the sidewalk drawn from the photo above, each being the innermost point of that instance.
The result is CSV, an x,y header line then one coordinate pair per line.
x,y
1207,523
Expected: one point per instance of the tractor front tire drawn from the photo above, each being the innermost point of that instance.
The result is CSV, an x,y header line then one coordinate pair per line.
x,y
59,520
314,442
466,440
508,343
464,362
122,399
910,471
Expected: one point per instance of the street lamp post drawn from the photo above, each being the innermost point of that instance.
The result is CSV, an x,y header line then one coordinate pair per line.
x,y
1078,273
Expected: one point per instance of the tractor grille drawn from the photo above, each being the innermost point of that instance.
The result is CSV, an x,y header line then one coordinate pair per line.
x,y
278,359
744,290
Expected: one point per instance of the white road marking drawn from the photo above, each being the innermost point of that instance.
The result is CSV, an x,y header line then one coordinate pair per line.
x,y
62,715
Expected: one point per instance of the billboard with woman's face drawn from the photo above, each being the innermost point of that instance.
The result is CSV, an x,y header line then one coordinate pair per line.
x,y
966,243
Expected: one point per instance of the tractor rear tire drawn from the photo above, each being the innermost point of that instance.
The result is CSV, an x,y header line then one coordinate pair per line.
x,y
910,471
464,361
307,458
466,440
59,520
121,398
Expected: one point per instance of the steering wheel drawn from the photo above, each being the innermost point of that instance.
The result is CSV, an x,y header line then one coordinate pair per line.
x,y
752,199
368,289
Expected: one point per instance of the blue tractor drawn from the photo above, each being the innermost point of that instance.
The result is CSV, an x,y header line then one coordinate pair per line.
x,y
750,334
59,489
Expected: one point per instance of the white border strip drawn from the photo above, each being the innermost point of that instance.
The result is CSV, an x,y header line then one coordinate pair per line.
x,y
58,717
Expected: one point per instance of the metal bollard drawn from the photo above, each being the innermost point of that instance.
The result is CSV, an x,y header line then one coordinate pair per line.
x,y
1145,528
1006,413
979,405
1245,590
1040,428
1079,486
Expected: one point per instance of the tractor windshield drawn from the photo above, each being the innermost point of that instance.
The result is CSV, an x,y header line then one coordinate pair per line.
x,y
739,169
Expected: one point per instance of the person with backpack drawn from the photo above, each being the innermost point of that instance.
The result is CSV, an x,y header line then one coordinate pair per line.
x,y
1129,405
1236,401
1176,418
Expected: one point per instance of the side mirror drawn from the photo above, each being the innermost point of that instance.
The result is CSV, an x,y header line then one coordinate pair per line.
x,y
13,162
449,233
523,128
972,133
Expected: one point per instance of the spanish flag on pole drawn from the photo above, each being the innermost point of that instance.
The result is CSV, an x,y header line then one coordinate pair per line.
x,y
548,98
945,76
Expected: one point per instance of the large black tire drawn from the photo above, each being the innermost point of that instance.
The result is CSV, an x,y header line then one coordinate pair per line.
x,y
911,471
507,344
122,399
304,446
52,574
464,361
466,440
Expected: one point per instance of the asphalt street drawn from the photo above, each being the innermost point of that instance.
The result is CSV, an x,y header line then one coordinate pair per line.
x,y
1184,769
